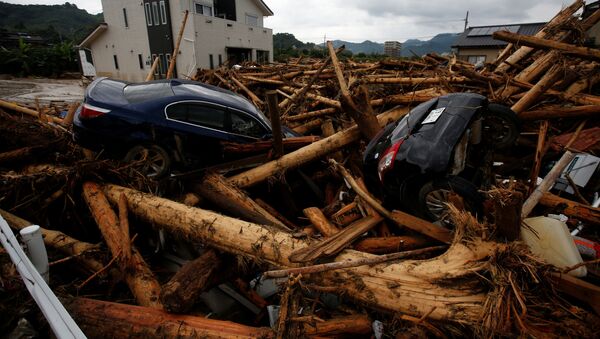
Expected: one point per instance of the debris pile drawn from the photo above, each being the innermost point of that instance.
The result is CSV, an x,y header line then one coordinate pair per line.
x,y
292,242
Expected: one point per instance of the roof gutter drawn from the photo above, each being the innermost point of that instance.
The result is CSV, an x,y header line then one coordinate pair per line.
x,y
59,319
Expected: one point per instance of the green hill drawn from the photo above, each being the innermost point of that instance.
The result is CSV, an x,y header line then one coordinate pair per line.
x,y
53,22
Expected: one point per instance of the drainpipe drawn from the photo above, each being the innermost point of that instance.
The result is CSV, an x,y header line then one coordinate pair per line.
x,y
36,251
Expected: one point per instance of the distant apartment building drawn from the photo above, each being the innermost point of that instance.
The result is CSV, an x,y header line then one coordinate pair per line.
x,y
392,48
135,33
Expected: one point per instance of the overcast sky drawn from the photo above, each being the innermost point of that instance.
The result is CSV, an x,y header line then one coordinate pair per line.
x,y
381,20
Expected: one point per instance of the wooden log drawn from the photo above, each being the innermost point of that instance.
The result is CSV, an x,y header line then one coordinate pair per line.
x,y
576,112
320,222
337,242
385,245
547,183
408,98
532,41
571,208
275,124
60,241
328,130
17,154
68,120
357,325
524,51
17,108
150,75
324,100
219,191
102,319
124,225
363,116
338,265
413,280
539,154
310,115
261,146
579,289
256,100
180,293
417,81
307,127
309,153
540,88
138,276
177,44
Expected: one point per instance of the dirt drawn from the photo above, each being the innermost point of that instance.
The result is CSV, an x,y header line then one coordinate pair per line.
x,y
26,90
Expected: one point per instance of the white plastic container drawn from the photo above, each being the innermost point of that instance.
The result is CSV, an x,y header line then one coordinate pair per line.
x,y
553,243
36,250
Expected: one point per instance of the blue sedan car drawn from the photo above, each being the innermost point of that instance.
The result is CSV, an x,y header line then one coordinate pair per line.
x,y
165,122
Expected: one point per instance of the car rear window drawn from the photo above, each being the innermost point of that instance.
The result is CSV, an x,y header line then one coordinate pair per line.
x,y
137,93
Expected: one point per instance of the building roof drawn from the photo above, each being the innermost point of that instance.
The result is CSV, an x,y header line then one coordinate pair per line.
x,y
481,36
266,10
102,27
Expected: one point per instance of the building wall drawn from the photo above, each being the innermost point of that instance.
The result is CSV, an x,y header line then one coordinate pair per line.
x,y
490,53
125,43
203,36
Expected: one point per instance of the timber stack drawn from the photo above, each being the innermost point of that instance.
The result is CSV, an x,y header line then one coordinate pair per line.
x,y
292,243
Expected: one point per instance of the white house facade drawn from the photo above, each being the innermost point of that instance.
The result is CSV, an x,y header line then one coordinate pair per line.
x,y
137,32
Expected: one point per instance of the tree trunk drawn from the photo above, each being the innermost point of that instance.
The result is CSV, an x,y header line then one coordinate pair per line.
x,y
233,200
309,153
102,319
182,291
531,41
139,277
318,219
387,245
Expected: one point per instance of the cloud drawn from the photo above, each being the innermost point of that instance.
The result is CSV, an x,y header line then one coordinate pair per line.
x,y
381,20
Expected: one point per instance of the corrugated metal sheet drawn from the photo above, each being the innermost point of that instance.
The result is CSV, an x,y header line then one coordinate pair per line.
x,y
463,40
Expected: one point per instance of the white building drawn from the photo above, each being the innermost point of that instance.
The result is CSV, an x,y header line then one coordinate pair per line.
x,y
136,32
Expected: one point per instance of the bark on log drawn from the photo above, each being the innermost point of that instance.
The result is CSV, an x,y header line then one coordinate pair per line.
x,y
523,51
139,277
311,115
14,107
385,245
571,208
531,41
309,153
540,88
318,219
102,319
58,240
588,111
275,124
175,53
353,324
219,191
307,127
182,291
407,287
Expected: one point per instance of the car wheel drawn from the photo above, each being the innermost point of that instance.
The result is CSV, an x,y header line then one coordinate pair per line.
x,y
434,196
500,126
153,160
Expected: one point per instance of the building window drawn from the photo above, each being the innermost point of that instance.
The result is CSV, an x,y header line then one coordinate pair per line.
x,y
116,61
251,20
204,9
262,57
163,12
475,59
125,17
155,11
211,61
148,14
220,60
141,61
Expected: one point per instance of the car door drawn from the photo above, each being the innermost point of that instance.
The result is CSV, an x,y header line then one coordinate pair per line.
x,y
199,127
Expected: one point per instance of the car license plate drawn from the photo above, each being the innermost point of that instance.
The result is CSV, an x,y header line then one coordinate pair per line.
x,y
433,115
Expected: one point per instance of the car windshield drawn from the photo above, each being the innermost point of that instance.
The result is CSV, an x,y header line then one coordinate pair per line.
x,y
218,94
136,93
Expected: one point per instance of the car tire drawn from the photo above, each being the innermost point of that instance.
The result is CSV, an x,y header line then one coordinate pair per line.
x,y
433,196
154,160
500,126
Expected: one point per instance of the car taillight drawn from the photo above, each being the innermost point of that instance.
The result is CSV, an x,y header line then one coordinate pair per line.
x,y
386,162
88,111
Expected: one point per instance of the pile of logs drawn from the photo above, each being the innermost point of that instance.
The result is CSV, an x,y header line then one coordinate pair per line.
x,y
297,212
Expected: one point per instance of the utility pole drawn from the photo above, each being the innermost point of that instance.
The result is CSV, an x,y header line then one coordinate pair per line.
x,y
467,20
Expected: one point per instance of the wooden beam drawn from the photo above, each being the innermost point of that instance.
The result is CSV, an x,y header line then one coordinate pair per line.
x,y
532,41
177,44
